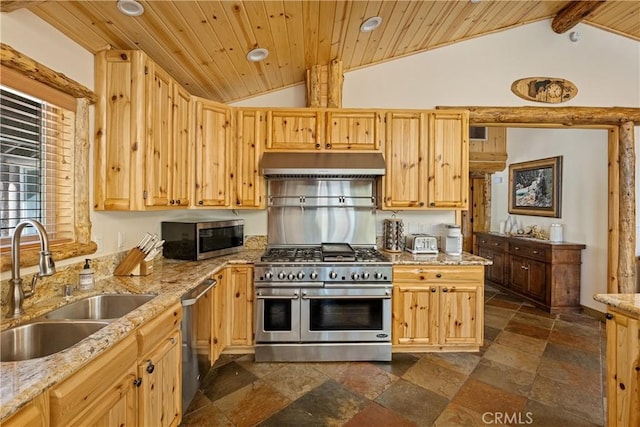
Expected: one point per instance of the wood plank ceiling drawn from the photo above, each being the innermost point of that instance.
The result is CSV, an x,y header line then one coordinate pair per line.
x,y
203,44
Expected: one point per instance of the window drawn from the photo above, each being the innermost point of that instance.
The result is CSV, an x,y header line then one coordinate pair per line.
x,y
36,166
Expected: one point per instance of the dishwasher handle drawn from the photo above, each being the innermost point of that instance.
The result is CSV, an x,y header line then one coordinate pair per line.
x,y
194,294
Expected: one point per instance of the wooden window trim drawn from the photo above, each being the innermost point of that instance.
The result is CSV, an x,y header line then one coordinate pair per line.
x,y
11,59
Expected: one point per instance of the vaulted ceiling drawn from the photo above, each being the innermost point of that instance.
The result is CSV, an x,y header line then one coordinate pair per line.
x,y
203,44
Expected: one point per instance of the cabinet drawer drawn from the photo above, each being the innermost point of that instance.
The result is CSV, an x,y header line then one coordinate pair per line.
x,y
535,252
438,274
494,243
150,334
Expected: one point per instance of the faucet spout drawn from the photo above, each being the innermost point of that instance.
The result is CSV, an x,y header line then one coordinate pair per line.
x,y
47,266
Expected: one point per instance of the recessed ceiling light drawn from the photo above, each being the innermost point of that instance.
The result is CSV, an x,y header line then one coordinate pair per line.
x,y
130,7
371,24
257,54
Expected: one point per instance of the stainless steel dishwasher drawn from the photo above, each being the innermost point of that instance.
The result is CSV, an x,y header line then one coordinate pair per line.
x,y
190,371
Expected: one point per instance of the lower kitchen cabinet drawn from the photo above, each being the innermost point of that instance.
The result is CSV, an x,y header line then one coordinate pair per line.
x,y
239,287
437,308
160,370
102,393
545,273
623,369
33,414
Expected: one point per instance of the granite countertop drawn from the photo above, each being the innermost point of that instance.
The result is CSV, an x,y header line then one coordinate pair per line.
x,y
625,302
525,238
22,381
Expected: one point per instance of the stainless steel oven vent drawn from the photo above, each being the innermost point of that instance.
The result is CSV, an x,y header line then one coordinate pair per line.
x,y
322,165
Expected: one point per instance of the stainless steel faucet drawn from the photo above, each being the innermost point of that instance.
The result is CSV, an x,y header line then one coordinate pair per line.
x,y
47,267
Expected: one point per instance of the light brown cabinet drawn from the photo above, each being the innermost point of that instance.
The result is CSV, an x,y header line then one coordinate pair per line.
x,y
250,188
623,368
214,155
159,368
239,285
143,148
295,129
354,130
437,308
427,160
33,414
545,273
102,393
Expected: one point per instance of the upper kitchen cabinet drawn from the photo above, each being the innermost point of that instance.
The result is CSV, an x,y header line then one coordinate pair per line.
x,y
448,156
295,129
405,152
251,132
143,151
427,160
354,130
214,156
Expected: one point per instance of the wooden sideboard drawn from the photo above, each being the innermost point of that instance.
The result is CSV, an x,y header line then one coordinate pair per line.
x,y
545,273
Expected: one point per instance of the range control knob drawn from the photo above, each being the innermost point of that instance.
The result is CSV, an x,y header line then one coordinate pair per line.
x,y
377,275
313,275
355,276
281,275
268,275
365,275
291,276
333,275
300,275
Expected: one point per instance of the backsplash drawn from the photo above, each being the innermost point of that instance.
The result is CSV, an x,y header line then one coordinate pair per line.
x,y
103,267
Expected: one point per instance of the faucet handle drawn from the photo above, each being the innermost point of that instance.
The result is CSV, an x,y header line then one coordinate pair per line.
x,y
67,290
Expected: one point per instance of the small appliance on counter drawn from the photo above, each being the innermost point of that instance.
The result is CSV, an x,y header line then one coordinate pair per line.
x,y
393,234
421,244
452,240
195,239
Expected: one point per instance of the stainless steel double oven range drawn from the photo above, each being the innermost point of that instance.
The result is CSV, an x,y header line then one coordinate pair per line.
x,y
322,290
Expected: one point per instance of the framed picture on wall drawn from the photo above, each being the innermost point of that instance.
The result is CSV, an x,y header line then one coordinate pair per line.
x,y
535,187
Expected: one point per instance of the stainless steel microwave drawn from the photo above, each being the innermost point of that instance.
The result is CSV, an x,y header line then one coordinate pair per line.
x,y
197,239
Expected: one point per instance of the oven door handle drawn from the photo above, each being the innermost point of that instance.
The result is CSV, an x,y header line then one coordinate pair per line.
x,y
305,296
260,296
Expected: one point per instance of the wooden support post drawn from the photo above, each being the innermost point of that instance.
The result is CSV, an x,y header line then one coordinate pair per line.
x,y
613,252
573,13
487,201
336,80
627,221
313,86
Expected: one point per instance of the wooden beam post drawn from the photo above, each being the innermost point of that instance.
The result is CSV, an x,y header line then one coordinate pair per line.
x,y
613,156
627,221
336,80
313,86
487,201
573,13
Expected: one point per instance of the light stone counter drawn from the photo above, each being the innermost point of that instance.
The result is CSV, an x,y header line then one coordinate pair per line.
x,y
625,302
22,381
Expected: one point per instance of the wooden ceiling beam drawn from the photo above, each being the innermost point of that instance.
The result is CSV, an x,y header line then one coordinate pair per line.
x,y
11,5
566,116
573,13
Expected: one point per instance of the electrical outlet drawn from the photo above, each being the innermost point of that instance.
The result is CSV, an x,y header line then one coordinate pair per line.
x,y
121,240
99,244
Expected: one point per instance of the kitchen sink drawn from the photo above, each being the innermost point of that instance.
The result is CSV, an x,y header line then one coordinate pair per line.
x,y
100,307
42,338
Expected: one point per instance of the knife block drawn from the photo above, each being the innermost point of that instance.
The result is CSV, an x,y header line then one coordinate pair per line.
x,y
145,268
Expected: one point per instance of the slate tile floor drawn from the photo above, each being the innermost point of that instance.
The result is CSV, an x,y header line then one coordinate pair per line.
x,y
534,369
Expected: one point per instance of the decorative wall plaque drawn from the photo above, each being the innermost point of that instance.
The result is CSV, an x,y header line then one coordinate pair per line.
x,y
551,90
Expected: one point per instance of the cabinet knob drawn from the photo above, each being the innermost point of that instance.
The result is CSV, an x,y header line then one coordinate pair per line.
x,y
496,244
178,201
439,275
609,316
317,145
172,340
172,202
445,290
150,367
516,248
328,145
434,290
536,252
421,203
137,382
524,267
200,202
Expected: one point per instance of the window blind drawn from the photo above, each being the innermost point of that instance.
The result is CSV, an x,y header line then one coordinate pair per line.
x,y
36,166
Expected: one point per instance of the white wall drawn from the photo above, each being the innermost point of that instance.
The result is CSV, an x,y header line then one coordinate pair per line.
x,y
605,67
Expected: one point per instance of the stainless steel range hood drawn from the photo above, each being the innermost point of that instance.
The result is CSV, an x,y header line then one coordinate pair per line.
x,y
322,164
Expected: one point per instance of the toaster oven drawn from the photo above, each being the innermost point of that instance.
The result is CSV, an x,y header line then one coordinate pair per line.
x,y
421,244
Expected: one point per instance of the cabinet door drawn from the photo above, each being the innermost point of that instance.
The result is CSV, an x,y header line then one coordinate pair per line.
x,y
495,272
161,387
405,144
461,314
102,393
182,148
623,370
33,414
448,155
219,318
537,283
294,130
354,130
250,187
415,314
159,136
519,273
240,310
214,157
